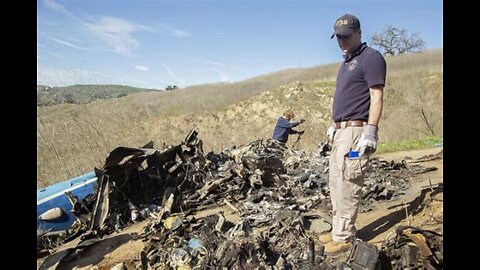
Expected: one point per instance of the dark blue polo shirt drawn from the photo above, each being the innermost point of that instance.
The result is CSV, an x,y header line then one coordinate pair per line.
x,y
282,129
362,70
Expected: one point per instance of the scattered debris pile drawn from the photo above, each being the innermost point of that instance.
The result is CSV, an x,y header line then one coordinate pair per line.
x,y
409,248
270,192
214,242
386,180
413,248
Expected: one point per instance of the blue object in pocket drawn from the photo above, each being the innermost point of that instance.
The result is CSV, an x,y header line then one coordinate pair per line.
x,y
353,154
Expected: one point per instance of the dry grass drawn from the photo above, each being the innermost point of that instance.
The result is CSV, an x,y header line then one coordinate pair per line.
x,y
73,139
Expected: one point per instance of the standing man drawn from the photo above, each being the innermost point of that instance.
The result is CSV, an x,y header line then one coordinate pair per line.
x,y
284,127
357,106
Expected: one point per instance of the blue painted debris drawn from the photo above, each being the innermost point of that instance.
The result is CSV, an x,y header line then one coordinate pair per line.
x,y
54,196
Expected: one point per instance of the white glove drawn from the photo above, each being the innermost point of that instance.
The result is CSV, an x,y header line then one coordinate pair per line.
x,y
367,144
330,132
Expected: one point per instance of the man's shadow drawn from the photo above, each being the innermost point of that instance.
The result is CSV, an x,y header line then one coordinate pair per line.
x,y
382,224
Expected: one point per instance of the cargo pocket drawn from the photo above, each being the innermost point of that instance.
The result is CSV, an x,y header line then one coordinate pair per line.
x,y
354,168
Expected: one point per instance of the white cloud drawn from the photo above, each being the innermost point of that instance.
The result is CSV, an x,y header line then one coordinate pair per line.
x,y
52,4
220,69
117,33
55,54
224,76
181,82
172,31
213,63
142,68
50,76
68,44
68,76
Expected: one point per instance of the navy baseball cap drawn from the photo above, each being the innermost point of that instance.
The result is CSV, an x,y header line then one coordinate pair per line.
x,y
345,25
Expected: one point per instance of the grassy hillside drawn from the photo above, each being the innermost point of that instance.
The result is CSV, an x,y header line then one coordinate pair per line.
x,y
72,139
81,94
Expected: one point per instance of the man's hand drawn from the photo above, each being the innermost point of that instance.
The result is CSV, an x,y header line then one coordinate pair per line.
x,y
367,144
330,132
301,120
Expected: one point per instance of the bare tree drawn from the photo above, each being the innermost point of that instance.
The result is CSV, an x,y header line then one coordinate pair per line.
x,y
394,41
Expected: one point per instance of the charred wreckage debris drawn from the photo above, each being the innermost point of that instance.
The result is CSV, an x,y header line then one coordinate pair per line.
x,y
271,192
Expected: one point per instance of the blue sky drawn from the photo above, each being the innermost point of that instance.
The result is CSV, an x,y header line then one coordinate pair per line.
x,y
155,43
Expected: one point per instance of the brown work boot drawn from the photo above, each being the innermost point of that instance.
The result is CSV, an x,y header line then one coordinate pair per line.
x,y
333,247
325,238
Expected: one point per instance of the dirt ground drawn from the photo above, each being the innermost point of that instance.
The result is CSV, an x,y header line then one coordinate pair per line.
x,y
423,202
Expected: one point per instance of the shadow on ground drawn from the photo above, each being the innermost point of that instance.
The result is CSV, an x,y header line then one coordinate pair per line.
x,y
89,254
383,224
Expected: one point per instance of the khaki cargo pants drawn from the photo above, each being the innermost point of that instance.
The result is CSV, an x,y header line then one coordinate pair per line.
x,y
345,182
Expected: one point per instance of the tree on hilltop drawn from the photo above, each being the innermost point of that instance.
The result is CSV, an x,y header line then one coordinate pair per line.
x,y
395,41
171,87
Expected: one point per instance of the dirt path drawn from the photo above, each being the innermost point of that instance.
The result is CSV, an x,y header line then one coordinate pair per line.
x,y
424,205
